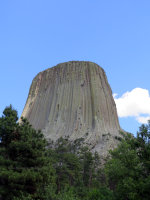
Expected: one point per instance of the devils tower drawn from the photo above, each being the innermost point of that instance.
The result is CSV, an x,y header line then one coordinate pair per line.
x,y
74,99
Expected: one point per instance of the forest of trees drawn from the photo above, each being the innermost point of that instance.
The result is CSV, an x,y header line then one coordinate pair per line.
x,y
33,169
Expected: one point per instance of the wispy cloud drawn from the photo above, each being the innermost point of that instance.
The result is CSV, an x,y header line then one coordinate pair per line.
x,y
135,103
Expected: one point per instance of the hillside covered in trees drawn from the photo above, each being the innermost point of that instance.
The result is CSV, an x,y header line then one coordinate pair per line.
x,y
32,169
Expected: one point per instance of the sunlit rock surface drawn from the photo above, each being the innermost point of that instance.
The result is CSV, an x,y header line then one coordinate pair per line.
x,y
74,99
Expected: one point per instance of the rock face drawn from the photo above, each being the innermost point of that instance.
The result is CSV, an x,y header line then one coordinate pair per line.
x,y
74,99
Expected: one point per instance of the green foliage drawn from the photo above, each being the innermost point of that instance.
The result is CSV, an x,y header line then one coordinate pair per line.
x,y
128,170
32,169
75,166
67,195
25,167
102,193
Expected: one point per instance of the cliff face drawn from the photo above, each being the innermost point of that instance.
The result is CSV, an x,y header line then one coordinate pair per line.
x,y
74,99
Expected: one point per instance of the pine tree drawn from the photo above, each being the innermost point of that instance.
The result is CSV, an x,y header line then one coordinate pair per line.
x,y
128,170
26,171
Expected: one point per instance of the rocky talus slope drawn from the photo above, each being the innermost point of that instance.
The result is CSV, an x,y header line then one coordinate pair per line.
x,y
74,99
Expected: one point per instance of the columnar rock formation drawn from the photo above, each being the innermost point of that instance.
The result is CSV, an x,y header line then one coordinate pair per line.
x,y
74,99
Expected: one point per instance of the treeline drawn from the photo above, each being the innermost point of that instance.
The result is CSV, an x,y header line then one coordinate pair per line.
x,y
33,169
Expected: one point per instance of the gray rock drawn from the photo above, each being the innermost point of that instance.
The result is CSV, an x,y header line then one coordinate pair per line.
x,y
74,99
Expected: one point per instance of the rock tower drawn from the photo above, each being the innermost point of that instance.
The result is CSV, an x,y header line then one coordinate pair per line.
x,y
74,99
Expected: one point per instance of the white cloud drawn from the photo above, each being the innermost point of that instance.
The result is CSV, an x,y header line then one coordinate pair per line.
x,y
135,103
143,120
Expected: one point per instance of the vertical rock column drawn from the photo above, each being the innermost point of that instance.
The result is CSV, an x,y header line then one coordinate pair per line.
x,y
74,99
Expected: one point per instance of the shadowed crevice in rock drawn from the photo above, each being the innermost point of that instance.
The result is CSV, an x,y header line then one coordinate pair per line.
x,y
74,99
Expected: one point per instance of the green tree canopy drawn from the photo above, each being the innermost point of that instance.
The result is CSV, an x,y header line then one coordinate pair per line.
x,y
128,170
26,170
33,169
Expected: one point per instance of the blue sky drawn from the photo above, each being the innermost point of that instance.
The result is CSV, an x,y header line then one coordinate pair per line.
x,y
38,34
